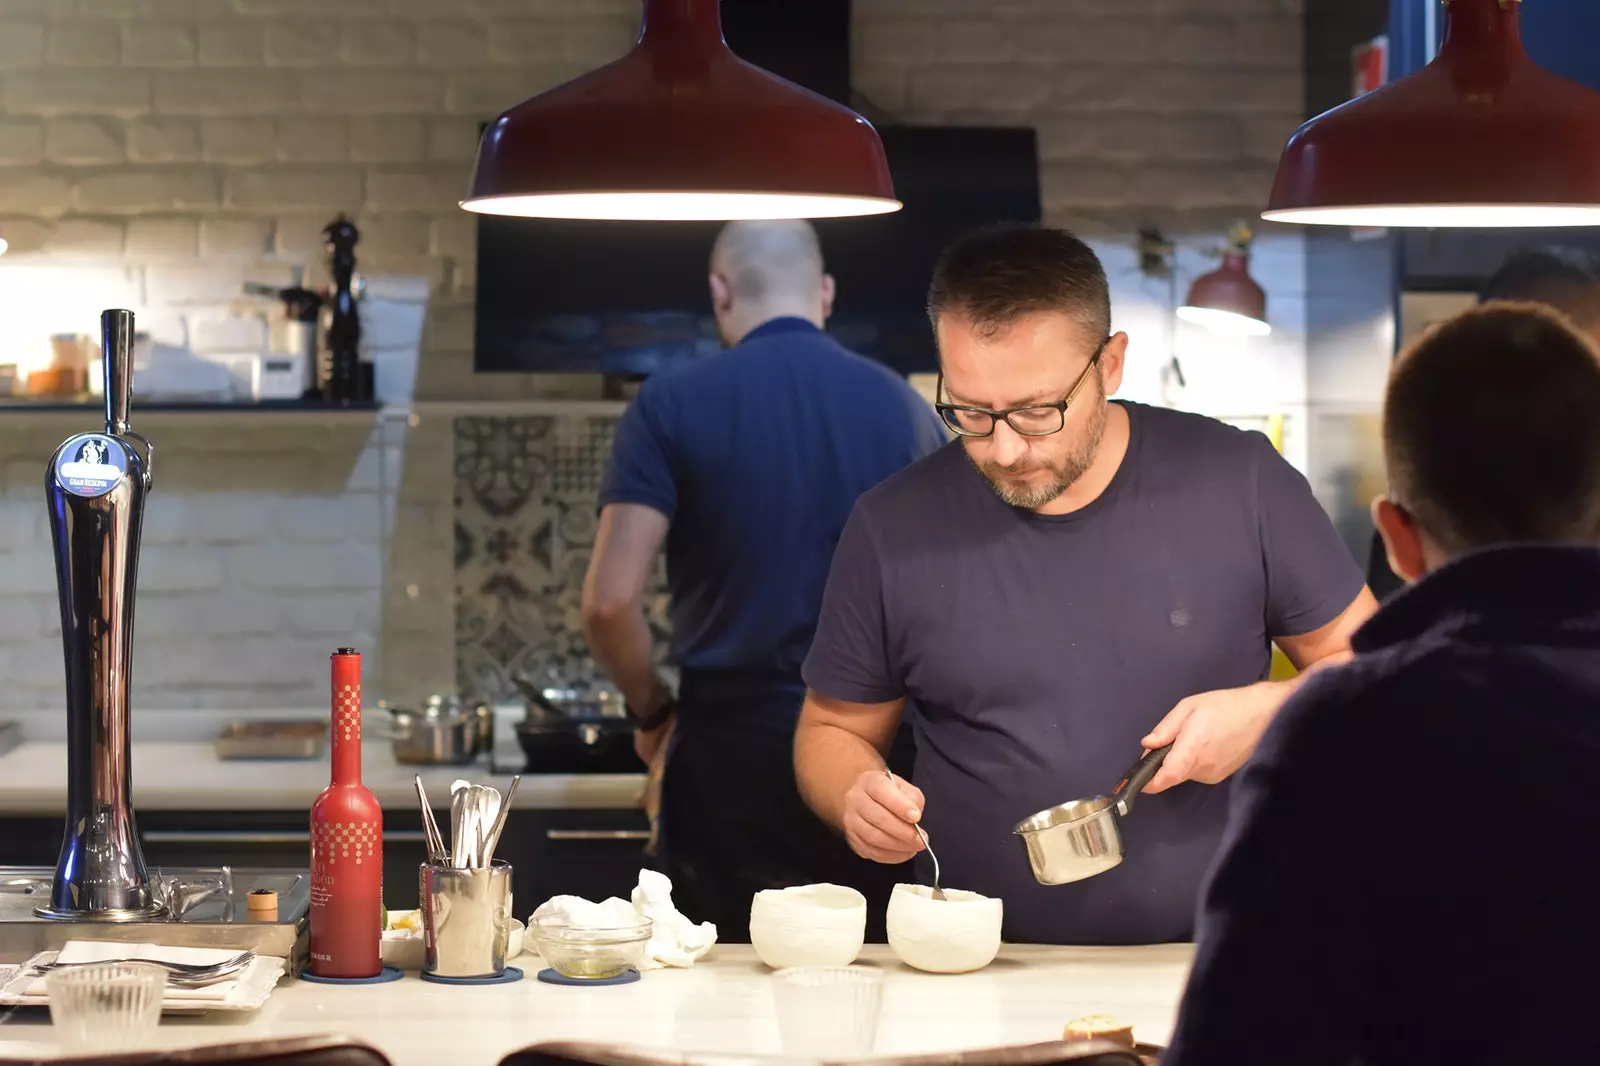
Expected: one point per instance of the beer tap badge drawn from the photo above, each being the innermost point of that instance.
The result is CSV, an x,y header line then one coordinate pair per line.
x,y
91,465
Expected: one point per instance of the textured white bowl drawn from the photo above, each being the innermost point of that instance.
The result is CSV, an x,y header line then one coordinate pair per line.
x,y
955,935
812,925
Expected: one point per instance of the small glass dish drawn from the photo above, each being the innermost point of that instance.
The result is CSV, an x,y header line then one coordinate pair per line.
x,y
589,954
111,1006
828,1012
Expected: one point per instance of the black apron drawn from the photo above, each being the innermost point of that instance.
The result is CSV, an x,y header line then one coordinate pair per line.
x,y
732,820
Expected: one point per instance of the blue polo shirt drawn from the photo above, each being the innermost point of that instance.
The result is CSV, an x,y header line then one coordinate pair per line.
x,y
757,455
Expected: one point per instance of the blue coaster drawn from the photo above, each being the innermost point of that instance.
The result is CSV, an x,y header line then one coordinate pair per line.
x,y
550,977
387,974
507,976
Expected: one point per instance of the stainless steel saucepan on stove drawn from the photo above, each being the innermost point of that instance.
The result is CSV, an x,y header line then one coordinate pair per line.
x,y
445,732
1082,838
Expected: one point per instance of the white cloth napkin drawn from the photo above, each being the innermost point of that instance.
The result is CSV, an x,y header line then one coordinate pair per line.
x,y
674,939
106,950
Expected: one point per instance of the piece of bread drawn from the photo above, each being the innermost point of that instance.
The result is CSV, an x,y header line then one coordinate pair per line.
x,y
1099,1027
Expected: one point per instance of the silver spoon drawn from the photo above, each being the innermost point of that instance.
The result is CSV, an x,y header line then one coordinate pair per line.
x,y
938,893
487,816
458,825
478,803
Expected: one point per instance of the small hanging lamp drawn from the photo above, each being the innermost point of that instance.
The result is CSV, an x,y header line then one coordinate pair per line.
x,y
1228,300
1480,137
680,129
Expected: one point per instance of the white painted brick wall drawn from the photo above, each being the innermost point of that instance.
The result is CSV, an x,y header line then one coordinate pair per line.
x,y
181,147
1171,111
262,552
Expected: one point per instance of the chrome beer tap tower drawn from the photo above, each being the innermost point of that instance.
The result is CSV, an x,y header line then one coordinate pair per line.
x,y
101,888
96,485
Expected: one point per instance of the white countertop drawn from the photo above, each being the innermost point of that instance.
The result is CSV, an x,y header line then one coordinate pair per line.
x,y
723,1004
188,776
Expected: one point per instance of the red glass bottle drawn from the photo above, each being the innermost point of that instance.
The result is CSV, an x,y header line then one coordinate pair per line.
x,y
346,846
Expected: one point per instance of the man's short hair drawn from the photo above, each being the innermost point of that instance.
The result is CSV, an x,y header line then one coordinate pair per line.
x,y
1565,279
1491,429
769,259
999,274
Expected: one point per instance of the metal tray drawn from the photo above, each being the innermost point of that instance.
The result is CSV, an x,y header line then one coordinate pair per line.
x,y
304,738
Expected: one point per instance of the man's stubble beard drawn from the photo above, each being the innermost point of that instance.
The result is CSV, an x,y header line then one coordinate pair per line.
x,y
1064,473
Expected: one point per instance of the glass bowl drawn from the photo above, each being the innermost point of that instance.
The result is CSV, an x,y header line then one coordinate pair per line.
x,y
590,954
108,1006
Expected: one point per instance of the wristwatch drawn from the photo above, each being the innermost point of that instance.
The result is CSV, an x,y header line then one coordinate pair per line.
x,y
658,718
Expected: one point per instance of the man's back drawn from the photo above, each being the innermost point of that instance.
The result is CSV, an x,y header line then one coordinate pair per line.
x,y
1410,874
757,456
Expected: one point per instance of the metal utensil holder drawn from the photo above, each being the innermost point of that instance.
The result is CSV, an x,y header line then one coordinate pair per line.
x,y
466,919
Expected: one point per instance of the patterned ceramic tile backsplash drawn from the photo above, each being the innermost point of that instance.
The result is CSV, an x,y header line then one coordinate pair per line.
x,y
524,527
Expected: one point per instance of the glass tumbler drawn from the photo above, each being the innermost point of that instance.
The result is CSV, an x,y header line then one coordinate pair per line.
x,y
828,1011
110,1006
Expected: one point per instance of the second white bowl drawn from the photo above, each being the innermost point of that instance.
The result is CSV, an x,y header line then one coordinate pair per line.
x,y
958,934
812,925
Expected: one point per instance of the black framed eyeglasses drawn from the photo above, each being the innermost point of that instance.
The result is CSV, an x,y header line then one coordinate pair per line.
x,y
1030,420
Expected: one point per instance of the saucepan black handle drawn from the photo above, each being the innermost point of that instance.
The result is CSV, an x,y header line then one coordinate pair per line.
x,y
1138,776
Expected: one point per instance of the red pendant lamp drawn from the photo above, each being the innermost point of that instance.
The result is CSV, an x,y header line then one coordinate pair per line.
x,y
1480,137
1228,300
681,129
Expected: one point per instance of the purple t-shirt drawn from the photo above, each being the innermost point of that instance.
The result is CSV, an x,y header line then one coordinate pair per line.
x,y
1039,649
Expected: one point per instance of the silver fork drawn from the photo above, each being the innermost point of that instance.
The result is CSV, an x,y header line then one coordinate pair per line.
x,y
938,893
187,970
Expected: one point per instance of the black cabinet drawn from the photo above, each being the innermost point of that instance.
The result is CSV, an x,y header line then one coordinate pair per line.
x,y
30,840
588,853
592,854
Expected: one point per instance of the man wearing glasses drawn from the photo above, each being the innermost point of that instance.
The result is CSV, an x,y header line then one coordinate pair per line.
x,y
1071,581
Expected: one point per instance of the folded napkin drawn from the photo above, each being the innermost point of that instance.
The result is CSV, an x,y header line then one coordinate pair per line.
x,y
674,939
107,950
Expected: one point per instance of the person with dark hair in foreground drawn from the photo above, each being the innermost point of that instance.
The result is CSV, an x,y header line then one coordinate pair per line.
x,y
1071,581
1563,279
1409,874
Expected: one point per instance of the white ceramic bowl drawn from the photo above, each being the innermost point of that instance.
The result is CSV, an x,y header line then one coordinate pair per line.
x,y
812,925
955,935
402,949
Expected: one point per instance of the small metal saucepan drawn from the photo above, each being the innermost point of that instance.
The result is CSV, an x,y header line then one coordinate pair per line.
x,y
447,733
1082,838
